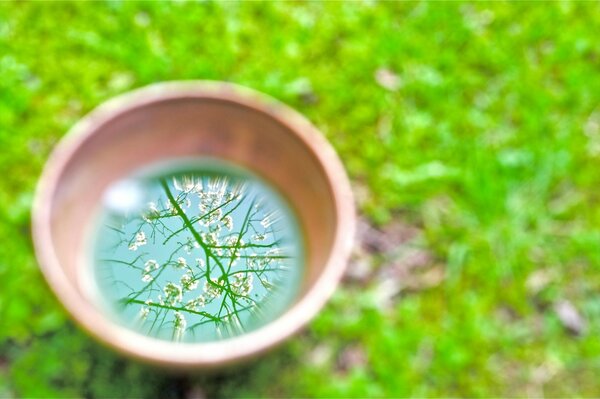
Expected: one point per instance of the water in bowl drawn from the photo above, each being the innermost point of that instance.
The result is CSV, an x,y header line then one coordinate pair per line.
x,y
194,251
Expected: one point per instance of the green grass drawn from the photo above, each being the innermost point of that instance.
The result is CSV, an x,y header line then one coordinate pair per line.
x,y
489,150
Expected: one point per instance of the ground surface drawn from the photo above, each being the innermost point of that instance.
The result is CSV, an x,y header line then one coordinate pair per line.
x,y
471,133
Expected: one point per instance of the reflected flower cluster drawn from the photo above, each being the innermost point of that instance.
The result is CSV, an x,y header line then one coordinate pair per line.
x,y
207,252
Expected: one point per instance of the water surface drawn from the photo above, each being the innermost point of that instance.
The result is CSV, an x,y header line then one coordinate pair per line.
x,y
195,251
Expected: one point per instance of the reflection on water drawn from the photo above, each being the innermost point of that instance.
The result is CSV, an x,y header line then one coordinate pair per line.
x,y
195,252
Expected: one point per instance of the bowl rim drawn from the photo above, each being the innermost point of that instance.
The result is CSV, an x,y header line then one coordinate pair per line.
x,y
203,354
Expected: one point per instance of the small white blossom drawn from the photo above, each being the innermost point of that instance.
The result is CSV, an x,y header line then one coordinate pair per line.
x,y
180,322
216,215
234,246
195,304
140,240
242,283
181,263
212,240
144,311
191,305
189,245
228,222
152,207
152,213
151,265
188,282
172,208
211,290
173,293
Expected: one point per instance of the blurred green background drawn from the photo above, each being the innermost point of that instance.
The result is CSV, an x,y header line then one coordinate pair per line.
x,y
471,133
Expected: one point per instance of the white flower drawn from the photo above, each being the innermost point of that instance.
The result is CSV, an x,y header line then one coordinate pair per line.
x,y
212,240
152,207
152,213
140,240
194,304
228,222
203,206
173,293
214,228
151,265
189,245
234,246
181,263
231,240
188,282
200,263
180,322
211,290
171,207
191,305
209,239
144,311
242,283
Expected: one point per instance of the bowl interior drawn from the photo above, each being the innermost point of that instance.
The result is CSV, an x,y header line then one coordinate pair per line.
x,y
191,127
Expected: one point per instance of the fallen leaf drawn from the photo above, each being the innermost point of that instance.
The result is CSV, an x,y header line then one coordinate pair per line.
x,y
384,293
570,317
432,277
538,280
361,192
360,267
351,357
320,355
388,79
386,240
